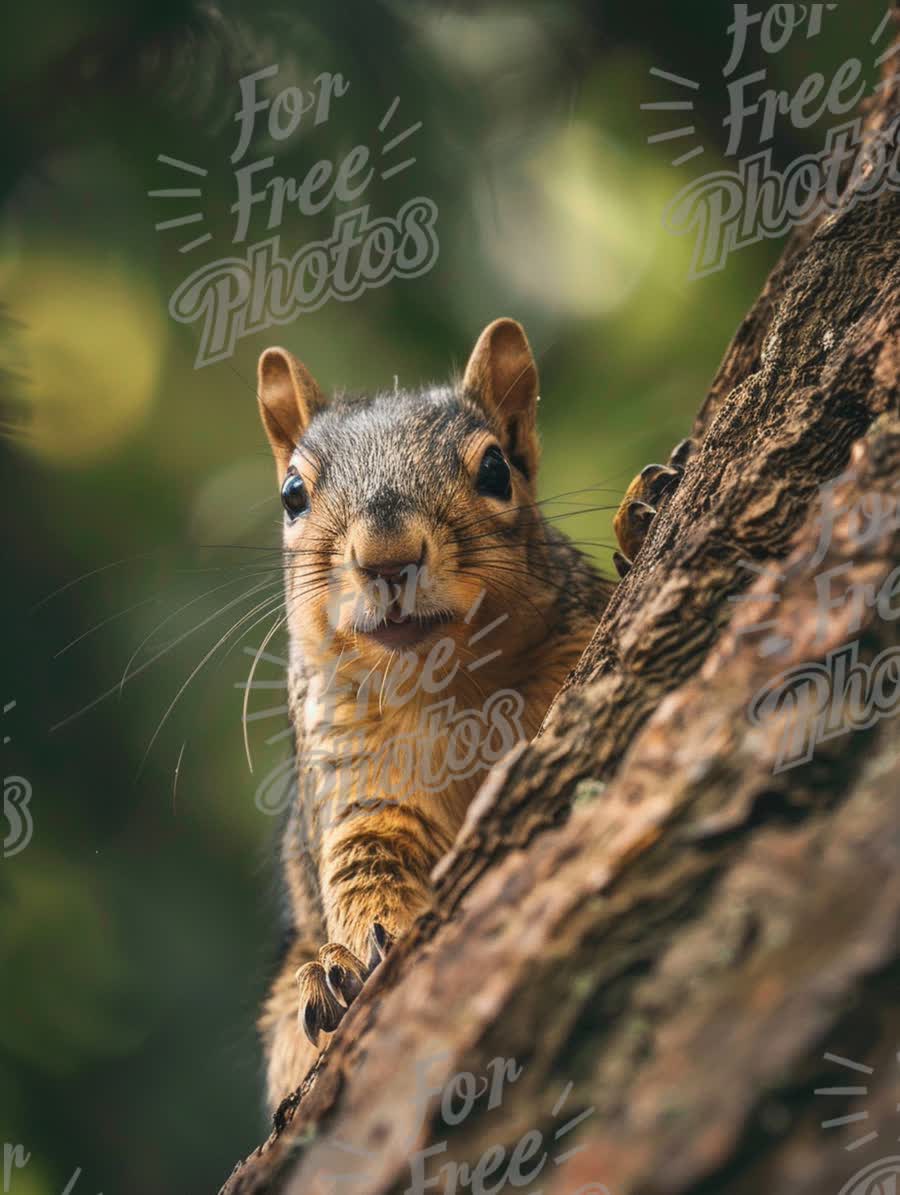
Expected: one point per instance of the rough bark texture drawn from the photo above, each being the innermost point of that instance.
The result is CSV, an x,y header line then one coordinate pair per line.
x,y
641,910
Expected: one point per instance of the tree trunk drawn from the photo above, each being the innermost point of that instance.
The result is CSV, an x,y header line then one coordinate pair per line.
x,y
667,908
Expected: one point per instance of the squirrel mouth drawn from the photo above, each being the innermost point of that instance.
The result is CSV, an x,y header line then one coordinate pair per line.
x,y
404,630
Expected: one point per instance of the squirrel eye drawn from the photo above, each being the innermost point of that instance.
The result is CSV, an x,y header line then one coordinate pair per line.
x,y
294,497
493,475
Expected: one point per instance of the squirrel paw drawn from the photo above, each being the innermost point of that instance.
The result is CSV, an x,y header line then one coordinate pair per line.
x,y
638,508
328,987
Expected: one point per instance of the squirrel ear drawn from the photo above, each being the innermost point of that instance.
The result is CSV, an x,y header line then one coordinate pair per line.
x,y
502,375
288,398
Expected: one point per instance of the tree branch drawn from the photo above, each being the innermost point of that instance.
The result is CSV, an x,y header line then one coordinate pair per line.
x,y
683,944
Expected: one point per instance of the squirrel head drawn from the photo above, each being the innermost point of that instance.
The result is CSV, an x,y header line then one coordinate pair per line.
x,y
408,515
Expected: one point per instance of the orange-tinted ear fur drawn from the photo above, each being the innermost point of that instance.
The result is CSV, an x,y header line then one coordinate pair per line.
x,y
288,398
502,374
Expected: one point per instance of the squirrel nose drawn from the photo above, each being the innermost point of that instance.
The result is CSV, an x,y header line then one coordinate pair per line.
x,y
375,568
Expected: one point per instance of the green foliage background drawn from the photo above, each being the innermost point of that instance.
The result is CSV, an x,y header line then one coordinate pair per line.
x,y
138,924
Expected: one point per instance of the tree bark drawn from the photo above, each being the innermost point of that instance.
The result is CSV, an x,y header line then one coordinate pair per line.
x,y
663,927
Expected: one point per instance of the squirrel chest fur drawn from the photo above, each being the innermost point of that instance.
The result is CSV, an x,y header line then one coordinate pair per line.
x,y
433,614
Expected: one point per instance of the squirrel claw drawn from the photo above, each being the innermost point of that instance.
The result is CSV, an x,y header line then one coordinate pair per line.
x,y
638,509
657,480
319,1010
632,524
682,453
622,565
380,942
344,972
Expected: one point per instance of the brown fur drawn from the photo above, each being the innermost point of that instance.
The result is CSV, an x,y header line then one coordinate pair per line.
x,y
393,478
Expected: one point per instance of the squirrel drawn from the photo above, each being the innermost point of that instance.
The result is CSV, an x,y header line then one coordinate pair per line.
x,y
433,613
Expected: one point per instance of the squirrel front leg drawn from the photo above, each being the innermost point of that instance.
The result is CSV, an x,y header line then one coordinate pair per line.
x,y
375,870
